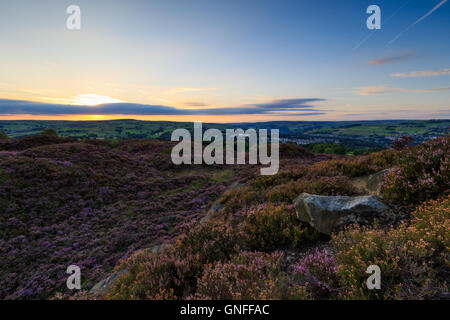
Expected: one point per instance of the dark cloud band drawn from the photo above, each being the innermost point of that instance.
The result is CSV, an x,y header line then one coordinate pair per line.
x,y
8,107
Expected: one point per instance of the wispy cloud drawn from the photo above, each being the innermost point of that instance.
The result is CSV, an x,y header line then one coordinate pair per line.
x,y
184,90
195,104
297,107
393,58
288,104
424,73
417,21
383,89
374,90
432,90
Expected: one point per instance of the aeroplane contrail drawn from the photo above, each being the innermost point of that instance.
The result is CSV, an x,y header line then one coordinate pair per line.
x,y
418,20
385,22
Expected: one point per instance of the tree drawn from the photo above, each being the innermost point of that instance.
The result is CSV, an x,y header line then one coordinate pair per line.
x,y
402,142
3,135
50,132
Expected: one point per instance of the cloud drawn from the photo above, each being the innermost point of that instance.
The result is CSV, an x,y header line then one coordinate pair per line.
x,y
425,73
38,108
183,90
286,104
195,104
294,106
90,99
433,90
382,89
417,21
393,58
374,90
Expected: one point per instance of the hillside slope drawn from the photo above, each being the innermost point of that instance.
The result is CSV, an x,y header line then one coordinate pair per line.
x,y
103,205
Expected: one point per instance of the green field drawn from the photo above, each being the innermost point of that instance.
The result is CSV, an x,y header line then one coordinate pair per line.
x,y
134,129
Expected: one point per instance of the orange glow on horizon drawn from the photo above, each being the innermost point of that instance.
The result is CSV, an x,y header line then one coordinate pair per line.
x,y
183,118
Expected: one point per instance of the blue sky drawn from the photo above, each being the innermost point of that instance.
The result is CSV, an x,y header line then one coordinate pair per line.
x,y
222,60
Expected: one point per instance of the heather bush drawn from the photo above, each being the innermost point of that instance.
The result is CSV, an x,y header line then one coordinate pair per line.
x,y
283,176
293,150
423,173
413,258
319,271
173,272
31,142
149,274
356,166
402,142
332,186
268,227
238,198
248,275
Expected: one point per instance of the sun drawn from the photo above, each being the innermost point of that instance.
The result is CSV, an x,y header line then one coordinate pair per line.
x,y
89,99
93,100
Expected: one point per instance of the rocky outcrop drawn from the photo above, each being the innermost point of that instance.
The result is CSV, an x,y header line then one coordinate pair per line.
x,y
160,247
102,287
370,184
375,181
217,206
328,214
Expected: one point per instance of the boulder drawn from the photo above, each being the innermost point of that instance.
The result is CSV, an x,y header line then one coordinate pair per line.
x,y
375,181
328,214
370,184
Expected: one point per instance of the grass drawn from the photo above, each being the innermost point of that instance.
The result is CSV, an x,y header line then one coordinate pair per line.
x,y
223,175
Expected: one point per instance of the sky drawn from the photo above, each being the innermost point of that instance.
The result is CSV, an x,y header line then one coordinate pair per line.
x,y
225,61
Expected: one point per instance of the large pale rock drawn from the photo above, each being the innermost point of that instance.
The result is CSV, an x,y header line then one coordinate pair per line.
x,y
370,184
329,214
375,181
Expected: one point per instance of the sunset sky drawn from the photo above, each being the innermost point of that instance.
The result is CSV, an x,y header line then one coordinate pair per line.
x,y
225,61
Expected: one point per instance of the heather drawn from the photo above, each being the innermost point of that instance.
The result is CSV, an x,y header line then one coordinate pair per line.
x,y
413,258
269,227
248,275
313,174
318,270
108,205
175,270
422,173
259,218
90,204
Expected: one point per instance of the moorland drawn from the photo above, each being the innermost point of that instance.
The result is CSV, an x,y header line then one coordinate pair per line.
x,y
149,229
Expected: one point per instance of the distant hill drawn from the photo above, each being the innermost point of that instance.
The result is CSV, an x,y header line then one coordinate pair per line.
x,y
354,134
